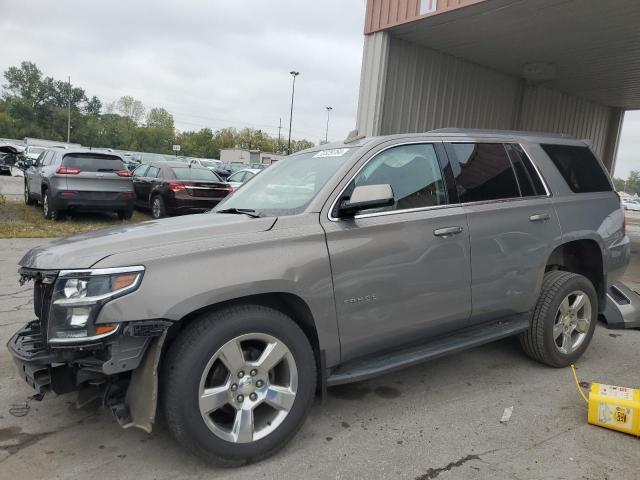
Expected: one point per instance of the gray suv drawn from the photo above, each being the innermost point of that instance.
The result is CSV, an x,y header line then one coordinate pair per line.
x,y
68,180
334,265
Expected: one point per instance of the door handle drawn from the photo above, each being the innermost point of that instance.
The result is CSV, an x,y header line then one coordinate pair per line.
x,y
447,231
541,217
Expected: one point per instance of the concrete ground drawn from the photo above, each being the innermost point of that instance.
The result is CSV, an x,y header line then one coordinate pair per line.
x,y
438,420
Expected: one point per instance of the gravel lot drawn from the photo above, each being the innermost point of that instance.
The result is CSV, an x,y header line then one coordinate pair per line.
x,y
439,420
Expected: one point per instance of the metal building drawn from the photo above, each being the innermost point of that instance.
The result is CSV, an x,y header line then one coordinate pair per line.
x,y
570,66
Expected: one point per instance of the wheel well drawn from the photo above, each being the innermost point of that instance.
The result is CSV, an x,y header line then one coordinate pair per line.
x,y
583,257
291,305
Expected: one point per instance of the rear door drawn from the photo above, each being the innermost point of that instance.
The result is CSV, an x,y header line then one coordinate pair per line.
x,y
512,225
138,182
98,176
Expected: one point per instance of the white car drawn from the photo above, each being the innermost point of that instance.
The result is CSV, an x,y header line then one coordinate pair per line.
x,y
632,204
242,176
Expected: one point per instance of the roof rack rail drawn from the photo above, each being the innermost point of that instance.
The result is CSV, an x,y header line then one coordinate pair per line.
x,y
353,137
482,131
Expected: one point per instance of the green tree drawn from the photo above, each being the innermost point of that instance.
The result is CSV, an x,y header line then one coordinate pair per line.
x,y
131,108
160,118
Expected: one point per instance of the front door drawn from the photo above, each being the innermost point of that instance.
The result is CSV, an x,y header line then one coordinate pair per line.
x,y
402,273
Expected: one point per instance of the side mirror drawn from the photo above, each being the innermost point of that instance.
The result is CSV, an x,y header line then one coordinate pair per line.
x,y
367,197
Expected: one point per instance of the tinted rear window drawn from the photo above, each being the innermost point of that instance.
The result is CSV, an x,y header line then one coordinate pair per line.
x,y
187,173
93,162
482,172
579,167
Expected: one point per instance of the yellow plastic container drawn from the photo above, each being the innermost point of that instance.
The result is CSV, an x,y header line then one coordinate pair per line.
x,y
617,408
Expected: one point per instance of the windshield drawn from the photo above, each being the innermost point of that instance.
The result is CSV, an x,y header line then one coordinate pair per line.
x,y
186,173
287,187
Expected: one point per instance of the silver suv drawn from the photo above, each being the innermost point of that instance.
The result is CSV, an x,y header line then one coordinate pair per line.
x,y
68,180
334,265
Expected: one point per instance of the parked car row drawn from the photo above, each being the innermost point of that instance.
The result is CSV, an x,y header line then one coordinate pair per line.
x,y
73,180
632,204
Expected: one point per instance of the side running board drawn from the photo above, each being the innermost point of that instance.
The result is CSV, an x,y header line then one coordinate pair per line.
x,y
373,365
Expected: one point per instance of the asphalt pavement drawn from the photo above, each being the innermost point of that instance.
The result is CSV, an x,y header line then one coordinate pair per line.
x,y
437,420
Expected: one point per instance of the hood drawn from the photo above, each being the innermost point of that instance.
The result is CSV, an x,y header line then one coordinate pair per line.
x,y
85,250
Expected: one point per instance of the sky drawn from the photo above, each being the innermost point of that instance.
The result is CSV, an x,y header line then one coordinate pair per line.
x,y
211,63
214,63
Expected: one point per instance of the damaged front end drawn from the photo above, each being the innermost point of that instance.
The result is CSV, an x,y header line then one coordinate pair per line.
x,y
68,348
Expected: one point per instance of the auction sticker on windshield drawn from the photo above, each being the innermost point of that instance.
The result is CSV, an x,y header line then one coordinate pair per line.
x,y
334,152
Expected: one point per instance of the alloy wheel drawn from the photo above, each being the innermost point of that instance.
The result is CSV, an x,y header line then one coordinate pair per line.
x,y
155,208
248,388
45,204
572,322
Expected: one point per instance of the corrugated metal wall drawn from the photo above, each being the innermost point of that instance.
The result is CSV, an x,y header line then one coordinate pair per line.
x,y
426,89
372,82
408,88
547,110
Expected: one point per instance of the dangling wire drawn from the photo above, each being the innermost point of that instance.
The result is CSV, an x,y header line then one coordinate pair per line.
x,y
575,377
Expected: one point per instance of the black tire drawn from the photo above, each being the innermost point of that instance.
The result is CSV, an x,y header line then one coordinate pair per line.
x,y
28,199
125,214
159,210
48,210
538,341
187,359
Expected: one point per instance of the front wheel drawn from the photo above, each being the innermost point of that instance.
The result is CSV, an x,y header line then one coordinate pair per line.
x,y
238,384
563,321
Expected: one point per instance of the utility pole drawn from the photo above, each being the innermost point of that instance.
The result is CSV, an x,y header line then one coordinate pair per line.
x,y
326,135
279,128
294,74
69,112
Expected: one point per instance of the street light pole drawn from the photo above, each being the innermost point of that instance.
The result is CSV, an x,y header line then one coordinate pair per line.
x,y
326,135
69,112
294,74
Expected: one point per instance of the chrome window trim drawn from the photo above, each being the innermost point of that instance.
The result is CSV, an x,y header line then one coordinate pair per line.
x,y
447,205
391,212
535,167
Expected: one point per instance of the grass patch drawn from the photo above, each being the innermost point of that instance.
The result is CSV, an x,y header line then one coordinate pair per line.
x,y
18,220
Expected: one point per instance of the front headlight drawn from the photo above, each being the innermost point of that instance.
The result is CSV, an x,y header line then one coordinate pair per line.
x,y
79,295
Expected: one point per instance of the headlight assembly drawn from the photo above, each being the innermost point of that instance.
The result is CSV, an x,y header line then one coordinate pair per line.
x,y
79,295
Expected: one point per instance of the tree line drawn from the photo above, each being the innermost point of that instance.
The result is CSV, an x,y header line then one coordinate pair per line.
x,y
630,185
32,105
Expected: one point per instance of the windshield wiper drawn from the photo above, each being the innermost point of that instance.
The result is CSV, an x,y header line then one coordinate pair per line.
x,y
240,211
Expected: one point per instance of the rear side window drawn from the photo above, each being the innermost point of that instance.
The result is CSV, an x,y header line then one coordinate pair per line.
x,y
579,167
528,178
93,162
194,174
482,172
152,172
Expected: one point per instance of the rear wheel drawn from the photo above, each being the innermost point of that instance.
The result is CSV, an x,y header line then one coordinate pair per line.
x,y
158,209
48,209
125,214
28,200
238,384
564,319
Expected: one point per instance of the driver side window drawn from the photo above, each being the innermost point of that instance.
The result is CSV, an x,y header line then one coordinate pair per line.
x,y
412,171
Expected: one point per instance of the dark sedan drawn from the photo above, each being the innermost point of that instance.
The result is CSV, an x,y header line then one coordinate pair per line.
x,y
171,188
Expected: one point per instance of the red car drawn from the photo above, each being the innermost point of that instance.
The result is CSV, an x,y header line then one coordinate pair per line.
x,y
172,188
